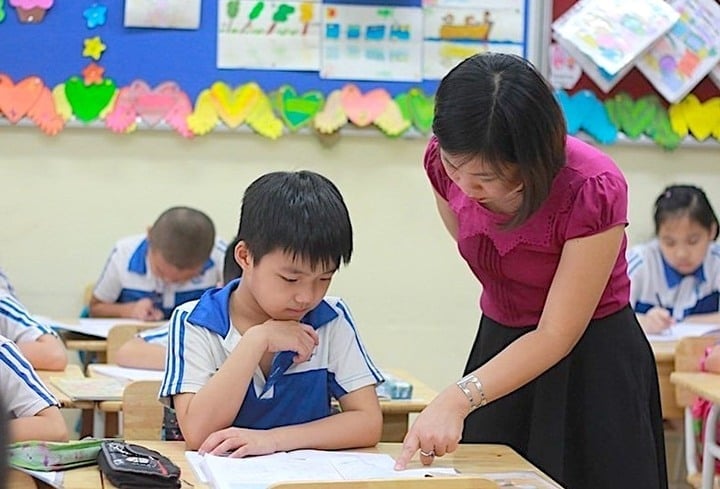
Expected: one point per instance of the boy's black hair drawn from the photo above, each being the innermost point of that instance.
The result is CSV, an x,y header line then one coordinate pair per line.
x,y
231,269
183,236
685,200
301,213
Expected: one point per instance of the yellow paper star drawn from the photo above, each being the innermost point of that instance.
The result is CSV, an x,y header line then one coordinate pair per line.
x,y
94,48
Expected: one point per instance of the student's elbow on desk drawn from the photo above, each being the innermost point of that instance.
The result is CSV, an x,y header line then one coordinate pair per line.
x,y
45,353
46,425
138,353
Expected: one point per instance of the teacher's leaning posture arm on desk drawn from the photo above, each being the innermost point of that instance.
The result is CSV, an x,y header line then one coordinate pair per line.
x,y
560,369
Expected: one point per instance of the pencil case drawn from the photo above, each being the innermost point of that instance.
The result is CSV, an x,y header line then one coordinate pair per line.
x,y
130,466
51,456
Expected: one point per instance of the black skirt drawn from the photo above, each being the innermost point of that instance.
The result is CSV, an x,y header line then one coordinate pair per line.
x,y
593,420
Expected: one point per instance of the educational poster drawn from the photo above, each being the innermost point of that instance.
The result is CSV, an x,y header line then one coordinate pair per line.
x,y
613,33
266,35
604,80
162,14
715,75
565,71
371,43
687,53
457,29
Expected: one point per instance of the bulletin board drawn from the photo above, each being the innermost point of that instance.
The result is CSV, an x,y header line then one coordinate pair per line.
x,y
53,48
634,83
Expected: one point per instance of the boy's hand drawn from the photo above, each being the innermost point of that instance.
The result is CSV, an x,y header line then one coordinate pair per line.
x,y
290,335
145,310
657,320
239,442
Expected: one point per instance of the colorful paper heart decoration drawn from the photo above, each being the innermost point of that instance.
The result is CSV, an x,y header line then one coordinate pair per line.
x,y
88,101
583,111
44,114
701,119
362,109
62,106
233,106
166,102
422,109
392,122
332,117
204,117
661,130
263,121
16,99
295,110
633,117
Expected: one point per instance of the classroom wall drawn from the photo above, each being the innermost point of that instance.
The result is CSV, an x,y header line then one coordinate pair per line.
x,y
66,199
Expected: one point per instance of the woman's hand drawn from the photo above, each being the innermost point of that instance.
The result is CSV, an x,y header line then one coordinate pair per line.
x,y
437,430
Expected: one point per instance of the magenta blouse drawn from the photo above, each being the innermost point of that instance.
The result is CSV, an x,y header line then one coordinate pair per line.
x,y
516,266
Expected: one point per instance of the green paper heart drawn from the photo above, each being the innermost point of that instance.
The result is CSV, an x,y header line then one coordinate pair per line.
x,y
422,109
632,117
662,132
88,101
298,110
403,101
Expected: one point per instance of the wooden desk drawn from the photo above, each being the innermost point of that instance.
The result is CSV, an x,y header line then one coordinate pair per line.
x,y
706,385
82,478
72,371
664,352
468,459
396,412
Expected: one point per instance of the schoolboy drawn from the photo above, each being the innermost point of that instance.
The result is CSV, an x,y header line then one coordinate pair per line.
x,y
37,342
252,366
31,407
146,277
148,348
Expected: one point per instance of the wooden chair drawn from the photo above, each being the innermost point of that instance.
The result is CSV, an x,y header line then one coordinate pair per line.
x,y
445,482
688,353
142,413
120,334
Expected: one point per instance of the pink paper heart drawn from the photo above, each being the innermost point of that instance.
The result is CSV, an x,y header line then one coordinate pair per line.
x,y
363,109
154,105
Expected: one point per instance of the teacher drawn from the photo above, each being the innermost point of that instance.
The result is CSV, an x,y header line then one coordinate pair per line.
x,y
560,369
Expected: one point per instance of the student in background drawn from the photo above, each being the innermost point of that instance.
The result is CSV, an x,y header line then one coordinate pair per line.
x,y
252,367
5,284
560,369
32,409
676,276
147,350
146,277
36,341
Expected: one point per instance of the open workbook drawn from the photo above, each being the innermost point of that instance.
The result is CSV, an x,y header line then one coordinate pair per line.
x,y
90,388
319,465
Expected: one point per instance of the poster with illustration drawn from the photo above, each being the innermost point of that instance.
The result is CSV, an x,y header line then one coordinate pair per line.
x,y
604,80
162,14
565,71
371,42
687,53
268,35
456,29
614,33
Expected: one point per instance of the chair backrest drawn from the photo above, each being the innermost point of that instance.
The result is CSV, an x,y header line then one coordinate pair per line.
x,y
688,353
120,334
142,413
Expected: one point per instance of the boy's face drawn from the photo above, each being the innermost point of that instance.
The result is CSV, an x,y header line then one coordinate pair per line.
x,y
285,289
170,273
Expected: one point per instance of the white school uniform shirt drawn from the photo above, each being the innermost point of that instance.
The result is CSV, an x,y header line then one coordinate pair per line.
x,y
156,336
16,323
653,282
127,276
22,391
5,285
202,337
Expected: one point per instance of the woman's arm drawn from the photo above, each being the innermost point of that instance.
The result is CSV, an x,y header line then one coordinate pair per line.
x,y
572,299
447,215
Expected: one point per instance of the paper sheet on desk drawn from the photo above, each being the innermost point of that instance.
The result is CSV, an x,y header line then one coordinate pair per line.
x,y
312,465
124,373
683,330
99,327
52,479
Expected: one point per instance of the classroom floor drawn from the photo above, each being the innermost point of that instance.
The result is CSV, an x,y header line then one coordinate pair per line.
x,y
675,456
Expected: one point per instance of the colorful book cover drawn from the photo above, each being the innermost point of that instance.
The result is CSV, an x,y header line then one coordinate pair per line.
x,y
614,33
680,59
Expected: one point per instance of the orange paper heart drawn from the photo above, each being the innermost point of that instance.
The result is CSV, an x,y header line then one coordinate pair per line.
x,y
16,100
363,109
235,105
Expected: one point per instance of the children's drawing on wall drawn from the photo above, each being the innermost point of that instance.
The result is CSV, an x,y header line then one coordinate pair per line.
x,y
565,71
162,14
604,80
269,35
371,42
457,29
687,53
